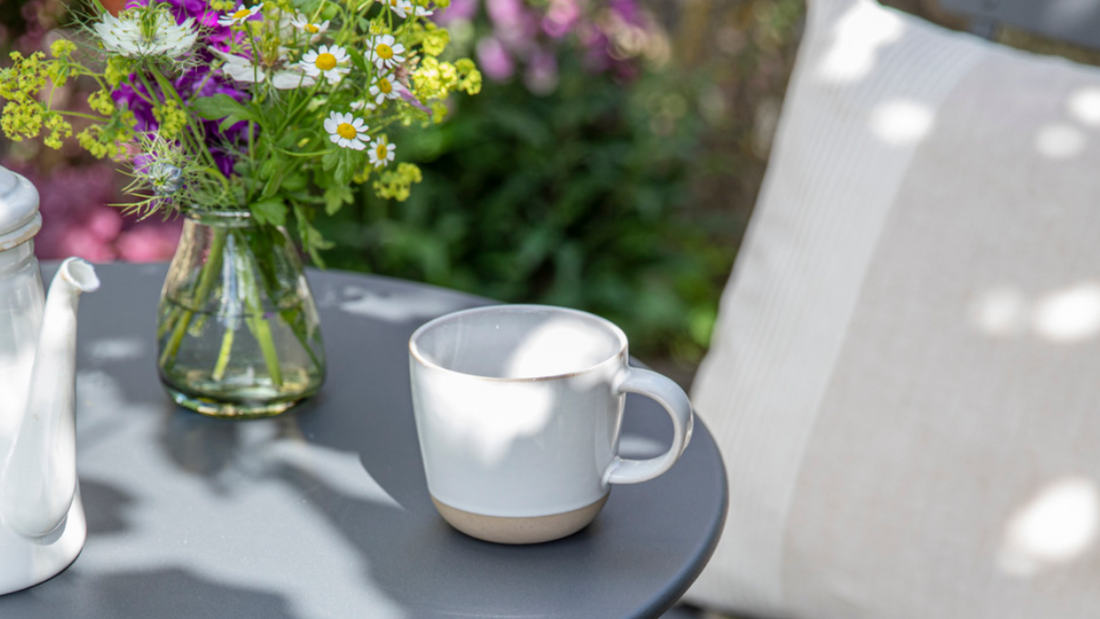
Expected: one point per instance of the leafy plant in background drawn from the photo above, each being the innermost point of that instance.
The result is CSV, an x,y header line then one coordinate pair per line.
x,y
561,182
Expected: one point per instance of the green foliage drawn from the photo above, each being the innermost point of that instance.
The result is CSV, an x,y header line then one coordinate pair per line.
x,y
570,199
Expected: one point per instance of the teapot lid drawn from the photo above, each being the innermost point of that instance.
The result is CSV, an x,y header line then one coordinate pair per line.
x,y
19,218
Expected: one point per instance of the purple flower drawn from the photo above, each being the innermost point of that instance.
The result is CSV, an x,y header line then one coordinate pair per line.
x,y
459,10
506,13
629,11
198,82
494,59
541,77
136,99
561,18
195,82
514,24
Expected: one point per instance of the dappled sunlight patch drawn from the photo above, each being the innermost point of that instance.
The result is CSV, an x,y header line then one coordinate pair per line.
x,y
116,349
1059,141
1001,311
483,420
1054,527
1069,315
392,307
900,123
857,40
1084,106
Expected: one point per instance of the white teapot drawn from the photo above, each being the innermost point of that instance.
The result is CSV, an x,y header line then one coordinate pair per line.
x,y
42,526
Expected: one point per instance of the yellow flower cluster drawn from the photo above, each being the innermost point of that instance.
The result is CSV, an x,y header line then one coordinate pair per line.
x,y
172,119
469,78
24,114
433,38
109,140
62,49
435,79
397,184
59,129
101,102
21,121
118,67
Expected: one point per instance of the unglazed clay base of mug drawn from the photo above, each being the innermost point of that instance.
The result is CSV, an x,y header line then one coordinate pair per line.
x,y
532,530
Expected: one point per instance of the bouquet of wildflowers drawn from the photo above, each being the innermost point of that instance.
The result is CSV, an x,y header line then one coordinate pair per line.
x,y
264,114
275,108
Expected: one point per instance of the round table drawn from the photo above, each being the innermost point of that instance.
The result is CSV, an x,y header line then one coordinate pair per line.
x,y
323,511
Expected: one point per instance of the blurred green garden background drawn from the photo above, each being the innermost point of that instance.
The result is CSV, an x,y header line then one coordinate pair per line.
x,y
610,162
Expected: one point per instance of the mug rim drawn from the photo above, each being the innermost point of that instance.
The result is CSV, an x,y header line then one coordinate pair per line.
x,y
419,357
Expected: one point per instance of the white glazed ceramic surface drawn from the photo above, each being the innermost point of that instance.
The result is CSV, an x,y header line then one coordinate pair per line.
x,y
42,525
19,217
518,409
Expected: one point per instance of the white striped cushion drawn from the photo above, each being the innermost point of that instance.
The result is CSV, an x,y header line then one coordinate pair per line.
x,y
905,379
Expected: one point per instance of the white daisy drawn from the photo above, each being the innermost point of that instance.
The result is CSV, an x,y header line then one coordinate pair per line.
x,y
363,104
404,8
326,60
400,7
346,131
301,22
385,52
242,70
290,79
128,36
383,87
239,15
381,152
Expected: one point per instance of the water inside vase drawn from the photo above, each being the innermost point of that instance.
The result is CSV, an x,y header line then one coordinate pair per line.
x,y
221,368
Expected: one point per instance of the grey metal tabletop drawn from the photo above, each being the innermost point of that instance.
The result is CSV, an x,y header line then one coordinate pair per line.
x,y
323,512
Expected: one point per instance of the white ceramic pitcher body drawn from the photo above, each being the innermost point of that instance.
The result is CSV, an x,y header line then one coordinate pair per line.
x,y
42,525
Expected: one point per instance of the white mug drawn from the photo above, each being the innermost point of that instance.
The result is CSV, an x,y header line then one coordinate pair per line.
x,y
518,410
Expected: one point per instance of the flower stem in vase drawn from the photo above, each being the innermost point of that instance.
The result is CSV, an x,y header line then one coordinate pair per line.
x,y
256,317
206,282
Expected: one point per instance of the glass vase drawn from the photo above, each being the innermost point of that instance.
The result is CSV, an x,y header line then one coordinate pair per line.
x,y
238,334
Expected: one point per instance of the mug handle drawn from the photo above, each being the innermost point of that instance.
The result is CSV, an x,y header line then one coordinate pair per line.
x,y
669,395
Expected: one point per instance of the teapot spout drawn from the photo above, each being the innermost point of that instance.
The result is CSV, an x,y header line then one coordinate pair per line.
x,y
39,483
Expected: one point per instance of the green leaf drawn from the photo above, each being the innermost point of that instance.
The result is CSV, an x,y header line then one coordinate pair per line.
x,y
295,182
344,172
229,121
269,167
329,160
270,211
337,196
220,106
357,60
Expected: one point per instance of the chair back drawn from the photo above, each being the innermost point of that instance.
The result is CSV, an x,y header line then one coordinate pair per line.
x,y
1070,21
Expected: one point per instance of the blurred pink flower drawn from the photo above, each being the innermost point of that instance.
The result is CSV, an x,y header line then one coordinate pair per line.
x,y
104,223
541,76
149,242
561,18
531,37
459,9
80,242
77,221
494,60
506,13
